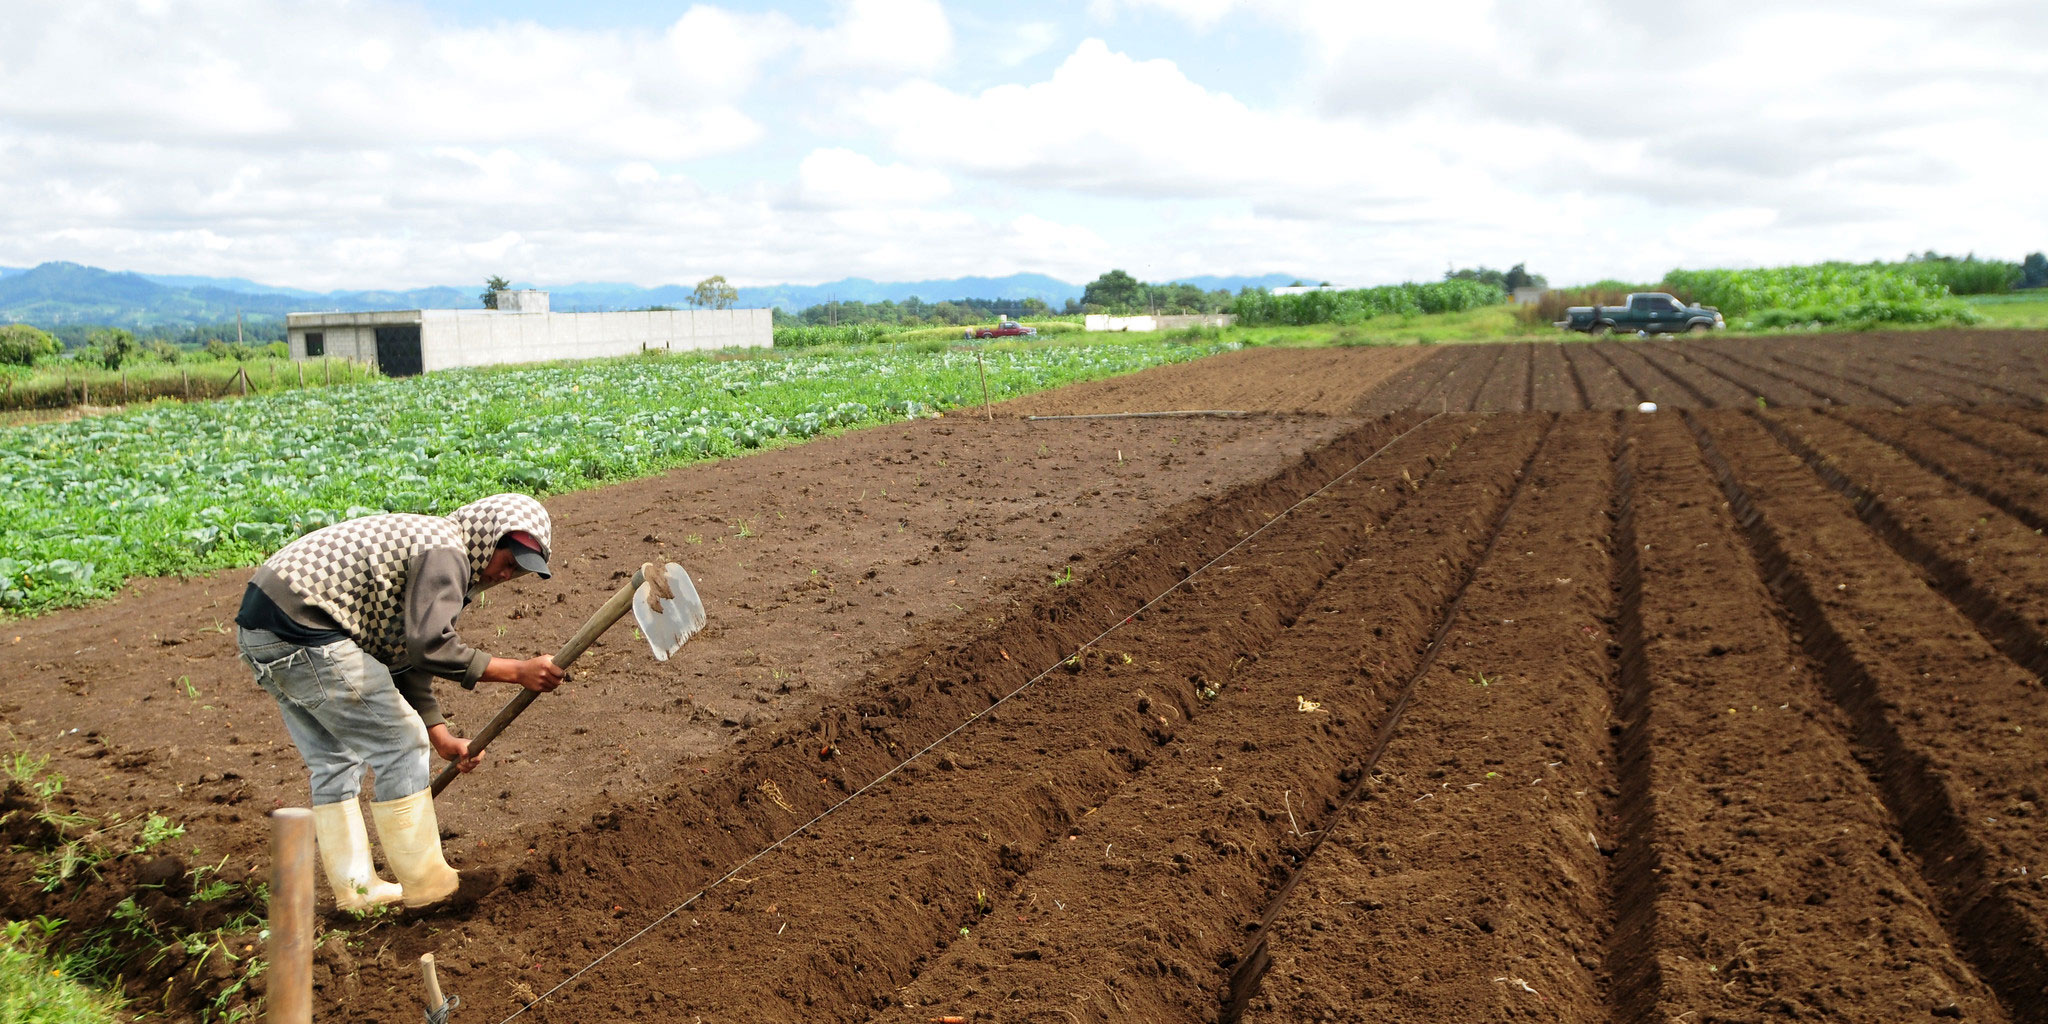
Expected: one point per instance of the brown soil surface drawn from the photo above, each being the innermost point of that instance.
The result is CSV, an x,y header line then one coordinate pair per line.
x,y
1881,369
1326,381
1723,713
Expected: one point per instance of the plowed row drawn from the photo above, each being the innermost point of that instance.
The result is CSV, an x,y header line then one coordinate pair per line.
x,y
1586,717
1882,370
1729,712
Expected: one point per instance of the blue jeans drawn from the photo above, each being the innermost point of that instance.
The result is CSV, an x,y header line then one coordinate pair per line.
x,y
344,714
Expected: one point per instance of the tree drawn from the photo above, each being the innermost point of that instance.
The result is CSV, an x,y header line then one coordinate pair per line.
x,y
2034,272
115,347
1519,277
492,286
715,293
22,345
1113,291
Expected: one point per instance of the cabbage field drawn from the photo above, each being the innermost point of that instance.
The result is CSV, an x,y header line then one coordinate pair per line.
x,y
181,488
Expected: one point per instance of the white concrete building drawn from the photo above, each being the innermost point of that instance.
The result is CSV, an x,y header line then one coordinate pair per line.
x,y
521,330
1156,321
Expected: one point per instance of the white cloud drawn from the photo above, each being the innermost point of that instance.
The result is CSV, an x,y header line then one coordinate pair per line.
x,y
887,37
1827,130
844,179
370,143
1200,13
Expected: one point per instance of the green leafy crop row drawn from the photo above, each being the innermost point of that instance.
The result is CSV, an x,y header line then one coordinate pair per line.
x,y
185,488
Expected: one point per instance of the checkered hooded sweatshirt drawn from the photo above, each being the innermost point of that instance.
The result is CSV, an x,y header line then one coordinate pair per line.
x,y
357,571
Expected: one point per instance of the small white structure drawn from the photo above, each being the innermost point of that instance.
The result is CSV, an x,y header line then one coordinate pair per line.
x,y
520,300
521,330
1105,322
1527,296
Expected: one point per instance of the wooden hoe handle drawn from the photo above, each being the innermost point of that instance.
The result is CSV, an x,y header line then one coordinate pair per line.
x,y
612,611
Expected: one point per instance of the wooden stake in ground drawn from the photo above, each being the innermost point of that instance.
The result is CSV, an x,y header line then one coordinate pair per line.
x,y
437,1007
290,989
302,373
185,379
242,374
983,371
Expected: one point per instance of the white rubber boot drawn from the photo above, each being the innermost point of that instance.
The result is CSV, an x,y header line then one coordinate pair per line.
x,y
344,846
411,835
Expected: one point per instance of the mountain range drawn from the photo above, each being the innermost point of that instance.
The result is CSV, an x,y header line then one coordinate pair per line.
x,y
59,294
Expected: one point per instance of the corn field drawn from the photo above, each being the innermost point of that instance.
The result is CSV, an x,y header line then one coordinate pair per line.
x,y
1262,309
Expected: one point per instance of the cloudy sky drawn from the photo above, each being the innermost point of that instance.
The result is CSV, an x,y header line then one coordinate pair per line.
x,y
384,143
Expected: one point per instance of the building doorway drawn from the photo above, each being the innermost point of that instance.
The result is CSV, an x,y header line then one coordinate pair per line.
x,y
398,350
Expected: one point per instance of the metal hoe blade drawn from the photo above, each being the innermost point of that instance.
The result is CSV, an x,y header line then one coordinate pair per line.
x,y
667,608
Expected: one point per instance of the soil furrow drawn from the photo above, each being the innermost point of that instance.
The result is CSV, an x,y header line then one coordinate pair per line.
x,y
1504,387
1499,764
1976,563
1527,356
1630,964
571,901
1252,967
1655,384
1558,388
1994,435
1250,970
1629,384
1416,386
1825,390
2034,421
1987,390
1476,399
1774,388
1768,831
1910,699
2017,491
1136,917
1604,388
1708,388
1854,371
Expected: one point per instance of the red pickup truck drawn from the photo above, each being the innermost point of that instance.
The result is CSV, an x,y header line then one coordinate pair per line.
x,y
1006,329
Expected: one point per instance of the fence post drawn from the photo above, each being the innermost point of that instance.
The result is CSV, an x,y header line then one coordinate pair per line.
x,y
326,370
124,385
185,377
290,990
242,374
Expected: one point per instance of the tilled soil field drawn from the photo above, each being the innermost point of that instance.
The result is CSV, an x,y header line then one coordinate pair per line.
x,y
1881,370
1728,712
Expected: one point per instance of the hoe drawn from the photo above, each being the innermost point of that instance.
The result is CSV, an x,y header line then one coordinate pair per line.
x,y
664,603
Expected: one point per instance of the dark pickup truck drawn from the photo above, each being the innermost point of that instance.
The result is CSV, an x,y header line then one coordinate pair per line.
x,y
1646,312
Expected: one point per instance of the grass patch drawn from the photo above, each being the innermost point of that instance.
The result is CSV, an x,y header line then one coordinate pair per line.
x,y
2028,309
64,383
35,985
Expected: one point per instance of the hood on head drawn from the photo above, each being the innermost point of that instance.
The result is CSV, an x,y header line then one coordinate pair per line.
x,y
484,522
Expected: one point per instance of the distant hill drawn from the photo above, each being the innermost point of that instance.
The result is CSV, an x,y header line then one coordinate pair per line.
x,y
61,294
